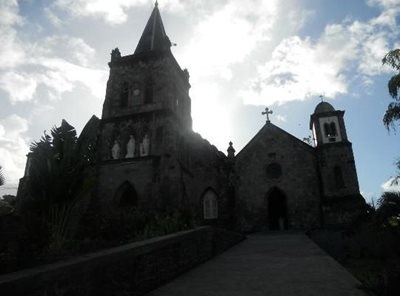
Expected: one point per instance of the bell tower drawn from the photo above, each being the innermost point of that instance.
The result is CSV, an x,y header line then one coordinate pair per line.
x,y
339,183
146,111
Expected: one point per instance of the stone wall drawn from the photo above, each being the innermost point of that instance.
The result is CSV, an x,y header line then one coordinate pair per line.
x,y
131,269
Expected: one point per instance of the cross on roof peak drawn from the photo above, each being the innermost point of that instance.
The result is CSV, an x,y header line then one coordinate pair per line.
x,y
267,112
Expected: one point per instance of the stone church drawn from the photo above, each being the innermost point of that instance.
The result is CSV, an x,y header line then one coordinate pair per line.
x,y
149,157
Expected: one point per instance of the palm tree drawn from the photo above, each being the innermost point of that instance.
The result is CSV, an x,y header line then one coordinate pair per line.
x,y
392,114
61,172
2,179
388,212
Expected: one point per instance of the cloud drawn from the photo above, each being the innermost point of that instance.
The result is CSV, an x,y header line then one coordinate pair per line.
x,y
113,12
58,62
228,36
11,52
301,68
281,118
392,185
13,146
116,12
235,31
297,70
384,3
9,13
61,76
20,87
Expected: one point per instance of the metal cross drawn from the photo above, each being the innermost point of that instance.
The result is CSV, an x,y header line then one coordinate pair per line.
x,y
267,112
322,98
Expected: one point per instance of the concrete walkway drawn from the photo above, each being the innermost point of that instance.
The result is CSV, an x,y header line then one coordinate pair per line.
x,y
267,264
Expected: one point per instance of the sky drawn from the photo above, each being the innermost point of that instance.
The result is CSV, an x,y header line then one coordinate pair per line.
x,y
242,56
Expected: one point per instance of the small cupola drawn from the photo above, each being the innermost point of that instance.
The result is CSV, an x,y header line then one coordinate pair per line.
x,y
327,124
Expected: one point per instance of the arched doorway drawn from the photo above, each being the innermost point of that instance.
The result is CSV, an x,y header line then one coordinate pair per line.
x,y
277,210
210,205
126,195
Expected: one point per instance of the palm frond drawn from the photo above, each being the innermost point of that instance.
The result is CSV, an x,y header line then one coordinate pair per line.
x,y
2,179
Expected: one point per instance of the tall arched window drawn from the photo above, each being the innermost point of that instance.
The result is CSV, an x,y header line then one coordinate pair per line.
x,y
210,205
126,195
327,129
148,93
339,181
333,129
124,96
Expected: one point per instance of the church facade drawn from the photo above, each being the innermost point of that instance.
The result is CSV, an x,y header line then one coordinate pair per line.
x,y
149,157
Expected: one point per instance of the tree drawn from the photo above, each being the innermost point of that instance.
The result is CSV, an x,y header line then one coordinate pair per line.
x,y
2,179
392,114
61,172
388,212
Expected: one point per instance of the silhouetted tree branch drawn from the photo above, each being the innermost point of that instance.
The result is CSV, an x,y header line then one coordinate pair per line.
x,y
392,114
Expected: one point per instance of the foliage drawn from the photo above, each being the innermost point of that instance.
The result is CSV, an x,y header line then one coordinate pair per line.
x,y
392,114
131,224
388,212
308,140
61,172
2,179
10,199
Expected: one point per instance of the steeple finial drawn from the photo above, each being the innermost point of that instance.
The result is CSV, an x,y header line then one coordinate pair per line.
x,y
153,37
231,150
267,112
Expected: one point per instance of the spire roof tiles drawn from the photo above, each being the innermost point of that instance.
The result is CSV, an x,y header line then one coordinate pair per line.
x,y
153,37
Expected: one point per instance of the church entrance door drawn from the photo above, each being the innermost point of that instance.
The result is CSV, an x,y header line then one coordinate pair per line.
x,y
277,210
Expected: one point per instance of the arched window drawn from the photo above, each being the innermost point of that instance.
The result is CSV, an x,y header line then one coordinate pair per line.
x,y
126,195
124,96
339,181
148,93
210,205
333,129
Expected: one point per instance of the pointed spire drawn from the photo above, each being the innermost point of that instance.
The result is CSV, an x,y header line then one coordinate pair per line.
x,y
153,37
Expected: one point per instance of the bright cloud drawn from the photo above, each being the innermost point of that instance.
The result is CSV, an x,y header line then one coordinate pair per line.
x,y
58,62
61,76
384,3
297,70
301,68
206,102
11,52
114,12
20,87
13,146
392,185
228,36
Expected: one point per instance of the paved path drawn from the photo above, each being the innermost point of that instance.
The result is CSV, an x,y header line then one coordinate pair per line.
x,y
266,264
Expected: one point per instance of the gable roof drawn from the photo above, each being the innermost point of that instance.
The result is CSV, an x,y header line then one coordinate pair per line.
x,y
272,128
